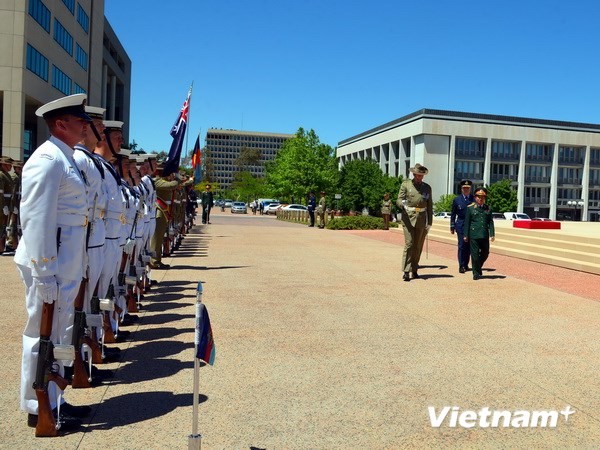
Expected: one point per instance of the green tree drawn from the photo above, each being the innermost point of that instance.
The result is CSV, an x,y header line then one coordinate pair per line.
x,y
363,184
248,157
444,203
246,187
302,165
502,196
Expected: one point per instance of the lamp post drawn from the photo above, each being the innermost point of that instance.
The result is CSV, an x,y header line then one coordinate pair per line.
x,y
575,204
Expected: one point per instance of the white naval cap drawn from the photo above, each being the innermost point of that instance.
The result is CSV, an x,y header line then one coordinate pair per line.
x,y
141,158
71,104
112,125
125,152
95,112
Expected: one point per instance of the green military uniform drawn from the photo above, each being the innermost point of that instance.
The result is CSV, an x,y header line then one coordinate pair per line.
x,y
321,211
6,193
386,211
164,196
14,222
416,207
478,229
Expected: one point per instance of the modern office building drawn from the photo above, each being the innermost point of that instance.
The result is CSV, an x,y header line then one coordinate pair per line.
x,y
53,48
224,148
554,165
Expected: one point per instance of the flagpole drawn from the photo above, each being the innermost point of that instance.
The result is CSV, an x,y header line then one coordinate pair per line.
x,y
187,148
195,439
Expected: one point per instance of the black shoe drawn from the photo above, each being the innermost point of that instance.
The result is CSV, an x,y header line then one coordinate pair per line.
x,y
415,275
467,268
311,225
461,269
67,423
100,375
159,266
406,277
476,277
74,411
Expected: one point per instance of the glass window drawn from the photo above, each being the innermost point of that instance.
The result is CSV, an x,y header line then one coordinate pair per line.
x,y
78,89
70,4
40,13
37,63
83,18
61,81
63,37
81,57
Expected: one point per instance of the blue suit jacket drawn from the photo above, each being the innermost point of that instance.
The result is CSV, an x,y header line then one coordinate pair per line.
x,y
459,211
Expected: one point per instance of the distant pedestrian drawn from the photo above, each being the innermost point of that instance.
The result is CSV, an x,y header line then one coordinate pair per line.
x,y
254,206
312,205
457,220
386,210
261,208
207,204
321,211
479,230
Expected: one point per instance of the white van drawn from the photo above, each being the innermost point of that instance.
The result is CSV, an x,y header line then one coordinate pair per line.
x,y
516,216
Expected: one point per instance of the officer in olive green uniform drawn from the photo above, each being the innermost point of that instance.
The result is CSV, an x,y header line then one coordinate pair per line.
x,y
416,208
321,211
165,186
6,193
478,230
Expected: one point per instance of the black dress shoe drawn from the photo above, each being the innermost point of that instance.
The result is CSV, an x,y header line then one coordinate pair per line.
x,y
67,423
406,277
476,277
461,269
415,275
75,411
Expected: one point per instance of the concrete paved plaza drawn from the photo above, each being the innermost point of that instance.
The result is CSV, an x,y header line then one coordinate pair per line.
x,y
321,345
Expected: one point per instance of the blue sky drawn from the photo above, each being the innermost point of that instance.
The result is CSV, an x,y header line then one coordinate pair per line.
x,y
342,67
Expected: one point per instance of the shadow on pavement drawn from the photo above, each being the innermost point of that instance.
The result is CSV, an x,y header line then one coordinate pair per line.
x,y
158,306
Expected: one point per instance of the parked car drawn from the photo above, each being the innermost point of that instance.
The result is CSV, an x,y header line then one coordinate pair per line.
x,y
542,219
239,207
442,215
294,207
498,216
516,216
272,208
227,203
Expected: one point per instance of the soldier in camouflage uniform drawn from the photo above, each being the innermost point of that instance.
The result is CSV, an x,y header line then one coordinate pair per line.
x,y
416,208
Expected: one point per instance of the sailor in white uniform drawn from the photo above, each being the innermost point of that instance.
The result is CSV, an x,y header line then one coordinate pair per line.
x,y
51,253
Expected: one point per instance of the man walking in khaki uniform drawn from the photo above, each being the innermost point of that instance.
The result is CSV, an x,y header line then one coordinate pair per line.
x,y
6,188
416,208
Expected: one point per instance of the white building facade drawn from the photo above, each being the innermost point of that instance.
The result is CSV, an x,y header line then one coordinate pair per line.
x,y
554,165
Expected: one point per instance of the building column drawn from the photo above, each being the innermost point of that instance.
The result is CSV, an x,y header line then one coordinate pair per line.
x,y
451,164
113,96
585,185
521,178
487,162
554,183
104,82
13,123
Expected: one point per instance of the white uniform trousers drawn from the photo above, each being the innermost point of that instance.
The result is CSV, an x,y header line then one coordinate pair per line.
x,y
62,333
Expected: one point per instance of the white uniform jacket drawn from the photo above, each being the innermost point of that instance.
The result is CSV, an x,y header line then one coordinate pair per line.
x,y
53,199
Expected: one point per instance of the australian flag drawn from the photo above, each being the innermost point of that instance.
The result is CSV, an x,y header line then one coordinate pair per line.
x,y
177,133
204,337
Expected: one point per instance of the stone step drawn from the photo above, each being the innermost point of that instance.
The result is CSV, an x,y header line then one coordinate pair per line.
x,y
563,250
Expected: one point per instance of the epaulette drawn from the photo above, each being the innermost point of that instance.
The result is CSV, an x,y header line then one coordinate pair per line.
x,y
471,204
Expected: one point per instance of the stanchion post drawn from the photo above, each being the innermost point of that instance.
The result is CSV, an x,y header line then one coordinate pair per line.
x,y
195,439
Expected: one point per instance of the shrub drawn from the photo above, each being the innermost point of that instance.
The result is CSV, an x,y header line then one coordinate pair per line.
x,y
357,223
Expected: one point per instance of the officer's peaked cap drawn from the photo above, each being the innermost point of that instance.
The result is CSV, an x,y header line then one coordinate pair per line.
x,y
467,183
71,104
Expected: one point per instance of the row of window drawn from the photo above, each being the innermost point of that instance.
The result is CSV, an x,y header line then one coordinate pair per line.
x,y
39,64
536,195
245,138
41,14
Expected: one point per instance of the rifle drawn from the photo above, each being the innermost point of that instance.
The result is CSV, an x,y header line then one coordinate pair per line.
x,y
108,306
94,316
46,426
81,378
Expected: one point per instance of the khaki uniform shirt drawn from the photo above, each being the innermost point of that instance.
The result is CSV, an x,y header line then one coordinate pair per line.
x,y
416,203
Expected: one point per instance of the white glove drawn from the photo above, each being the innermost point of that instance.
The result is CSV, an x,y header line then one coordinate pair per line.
x,y
5,210
129,244
46,288
427,228
15,210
